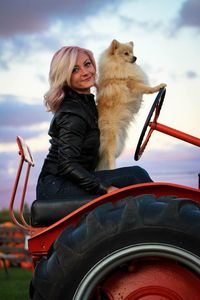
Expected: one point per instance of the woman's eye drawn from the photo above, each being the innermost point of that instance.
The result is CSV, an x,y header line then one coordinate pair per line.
x,y
75,70
88,64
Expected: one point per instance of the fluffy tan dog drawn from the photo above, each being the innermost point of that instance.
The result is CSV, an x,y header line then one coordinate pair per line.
x,y
121,85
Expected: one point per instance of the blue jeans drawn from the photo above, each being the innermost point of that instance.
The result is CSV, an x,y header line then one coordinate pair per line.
x,y
54,187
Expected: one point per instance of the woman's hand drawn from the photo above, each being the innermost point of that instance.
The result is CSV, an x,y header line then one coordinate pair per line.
x,y
111,188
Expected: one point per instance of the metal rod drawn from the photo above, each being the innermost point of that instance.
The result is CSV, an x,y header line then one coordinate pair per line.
x,y
11,209
175,133
23,197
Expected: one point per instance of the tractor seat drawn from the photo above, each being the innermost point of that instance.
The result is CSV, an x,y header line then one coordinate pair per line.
x,y
47,212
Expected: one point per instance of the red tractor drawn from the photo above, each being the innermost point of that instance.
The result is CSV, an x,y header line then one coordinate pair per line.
x,y
140,242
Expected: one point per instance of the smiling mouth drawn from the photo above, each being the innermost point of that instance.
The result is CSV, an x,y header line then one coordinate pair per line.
x,y
87,79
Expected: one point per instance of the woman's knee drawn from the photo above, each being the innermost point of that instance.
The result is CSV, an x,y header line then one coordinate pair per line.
x,y
142,173
137,172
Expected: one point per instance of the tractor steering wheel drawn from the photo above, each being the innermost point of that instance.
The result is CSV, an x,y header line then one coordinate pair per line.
x,y
156,107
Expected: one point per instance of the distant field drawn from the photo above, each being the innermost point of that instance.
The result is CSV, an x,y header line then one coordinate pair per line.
x,y
15,286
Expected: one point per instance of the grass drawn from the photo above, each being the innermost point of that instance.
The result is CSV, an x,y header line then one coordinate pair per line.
x,y
15,286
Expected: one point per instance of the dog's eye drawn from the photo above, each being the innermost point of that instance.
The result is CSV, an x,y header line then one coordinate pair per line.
x,y
126,53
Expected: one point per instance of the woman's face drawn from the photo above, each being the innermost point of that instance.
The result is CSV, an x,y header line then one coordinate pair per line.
x,y
83,74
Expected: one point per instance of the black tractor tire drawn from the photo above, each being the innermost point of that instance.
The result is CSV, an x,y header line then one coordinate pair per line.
x,y
112,234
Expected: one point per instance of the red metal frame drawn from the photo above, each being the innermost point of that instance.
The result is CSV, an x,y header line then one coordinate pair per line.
x,y
42,238
175,133
153,125
153,279
41,242
25,156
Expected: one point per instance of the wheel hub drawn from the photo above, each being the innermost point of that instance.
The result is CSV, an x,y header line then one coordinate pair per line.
x,y
153,280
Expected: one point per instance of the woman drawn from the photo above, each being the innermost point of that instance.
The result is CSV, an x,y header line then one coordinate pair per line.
x,y
69,168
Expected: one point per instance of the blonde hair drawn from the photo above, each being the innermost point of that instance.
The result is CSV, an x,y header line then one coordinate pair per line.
x,y
61,68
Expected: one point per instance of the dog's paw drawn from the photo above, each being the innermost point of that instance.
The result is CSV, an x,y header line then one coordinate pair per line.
x,y
156,88
162,85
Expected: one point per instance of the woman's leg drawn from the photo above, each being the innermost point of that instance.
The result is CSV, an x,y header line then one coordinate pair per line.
x,y
52,187
122,177
57,188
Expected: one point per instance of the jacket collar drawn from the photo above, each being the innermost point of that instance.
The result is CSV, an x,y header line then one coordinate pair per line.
x,y
70,93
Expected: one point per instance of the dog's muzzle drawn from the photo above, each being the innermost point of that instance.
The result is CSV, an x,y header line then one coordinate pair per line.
x,y
134,59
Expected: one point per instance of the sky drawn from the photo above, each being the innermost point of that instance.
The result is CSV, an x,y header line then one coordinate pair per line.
x,y
166,35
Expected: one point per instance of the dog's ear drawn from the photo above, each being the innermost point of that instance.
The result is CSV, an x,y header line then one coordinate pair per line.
x,y
114,45
131,43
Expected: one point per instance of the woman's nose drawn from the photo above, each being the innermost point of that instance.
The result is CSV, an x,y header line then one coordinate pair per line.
x,y
84,71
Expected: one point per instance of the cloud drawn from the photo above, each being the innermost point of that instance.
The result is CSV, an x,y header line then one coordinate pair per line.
x,y
37,27
22,48
189,15
8,170
191,74
177,165
15,113
18,118
9,133
24,16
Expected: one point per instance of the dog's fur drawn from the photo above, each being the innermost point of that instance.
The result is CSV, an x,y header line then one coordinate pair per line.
x,y
121,85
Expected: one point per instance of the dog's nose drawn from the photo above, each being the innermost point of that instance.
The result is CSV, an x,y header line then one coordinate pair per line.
x,y
134,59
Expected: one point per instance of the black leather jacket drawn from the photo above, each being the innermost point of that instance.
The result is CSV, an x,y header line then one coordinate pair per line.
x,y
75,142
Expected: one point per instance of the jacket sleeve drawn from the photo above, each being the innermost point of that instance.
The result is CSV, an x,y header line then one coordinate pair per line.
x,y
72,129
